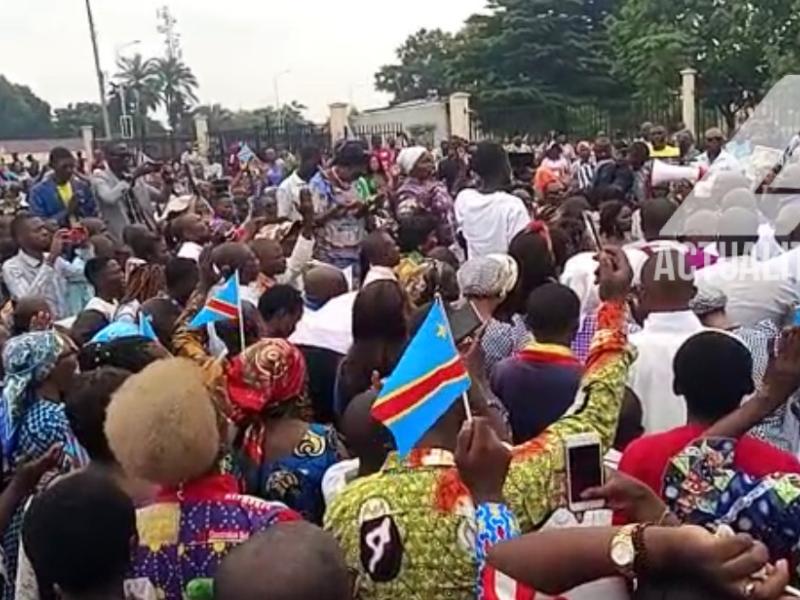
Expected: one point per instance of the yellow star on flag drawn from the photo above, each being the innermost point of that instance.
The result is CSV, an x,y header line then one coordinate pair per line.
x,y
441,330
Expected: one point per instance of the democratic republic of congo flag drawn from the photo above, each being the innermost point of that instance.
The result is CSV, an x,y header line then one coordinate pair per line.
x,y
428,379
222,306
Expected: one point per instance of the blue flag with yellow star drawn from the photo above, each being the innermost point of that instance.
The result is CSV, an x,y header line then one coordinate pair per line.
x,y
429,377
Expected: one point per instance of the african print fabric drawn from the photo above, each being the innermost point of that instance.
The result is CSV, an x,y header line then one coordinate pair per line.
x,y
409,531
186,533
703,487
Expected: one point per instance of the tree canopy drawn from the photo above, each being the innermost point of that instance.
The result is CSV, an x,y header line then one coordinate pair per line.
x,y
22,113
529,61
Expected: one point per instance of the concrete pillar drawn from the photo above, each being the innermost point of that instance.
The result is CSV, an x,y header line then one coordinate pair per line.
x,y
688,86
459,115
87,135
201,134
339,111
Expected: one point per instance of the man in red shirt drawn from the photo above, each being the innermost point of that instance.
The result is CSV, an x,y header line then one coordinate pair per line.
x,y
713,373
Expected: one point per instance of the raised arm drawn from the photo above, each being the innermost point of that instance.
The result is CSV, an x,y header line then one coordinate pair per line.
x,y
535,485
780,382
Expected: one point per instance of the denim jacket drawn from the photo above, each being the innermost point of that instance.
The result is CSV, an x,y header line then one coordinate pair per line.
x,y
45,202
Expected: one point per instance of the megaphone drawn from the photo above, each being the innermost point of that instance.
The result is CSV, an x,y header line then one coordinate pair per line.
x,y
664,173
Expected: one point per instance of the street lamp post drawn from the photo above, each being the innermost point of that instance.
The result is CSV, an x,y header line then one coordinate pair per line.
x,y
100,80
117,56
277,93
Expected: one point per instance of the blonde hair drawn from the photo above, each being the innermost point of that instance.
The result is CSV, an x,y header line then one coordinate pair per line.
x,y
161,424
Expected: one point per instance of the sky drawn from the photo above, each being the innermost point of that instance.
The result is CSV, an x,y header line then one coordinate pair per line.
x,y
321,51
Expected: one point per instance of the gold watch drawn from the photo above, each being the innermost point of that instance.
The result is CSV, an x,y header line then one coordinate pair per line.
x,y
623,551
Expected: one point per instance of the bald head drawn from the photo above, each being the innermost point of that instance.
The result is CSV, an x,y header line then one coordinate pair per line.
x,y
667,283
323,282
367,438
235,256
288,561
656,213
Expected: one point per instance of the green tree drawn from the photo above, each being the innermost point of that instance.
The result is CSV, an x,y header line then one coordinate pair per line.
x,y
177,87
67,121
738,47
142,86
22,113
217,115
527,61
424,59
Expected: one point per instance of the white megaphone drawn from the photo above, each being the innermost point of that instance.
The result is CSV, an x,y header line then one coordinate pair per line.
x,y
664,173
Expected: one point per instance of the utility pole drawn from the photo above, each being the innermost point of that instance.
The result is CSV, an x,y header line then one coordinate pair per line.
x,y
100,79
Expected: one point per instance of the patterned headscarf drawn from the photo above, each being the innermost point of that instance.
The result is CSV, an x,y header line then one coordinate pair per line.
x,y
420,281
492,276
268,373
28,359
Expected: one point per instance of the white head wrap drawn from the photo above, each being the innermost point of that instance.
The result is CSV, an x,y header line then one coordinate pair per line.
x,y
408,157
492,276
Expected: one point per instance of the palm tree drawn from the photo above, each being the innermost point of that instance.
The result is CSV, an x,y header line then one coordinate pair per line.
x,y
177,85
218,116
141,84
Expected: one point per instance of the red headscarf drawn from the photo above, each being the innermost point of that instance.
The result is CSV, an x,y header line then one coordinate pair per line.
x,y
267,373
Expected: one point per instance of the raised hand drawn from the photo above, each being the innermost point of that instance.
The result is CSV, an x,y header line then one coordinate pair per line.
x,y
614,274
482,460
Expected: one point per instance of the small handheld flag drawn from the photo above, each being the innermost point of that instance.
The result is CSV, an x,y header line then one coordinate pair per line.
x,y
429,377
146,326
222,306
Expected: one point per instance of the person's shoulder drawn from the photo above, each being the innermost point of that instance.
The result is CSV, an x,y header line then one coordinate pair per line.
x,y
772,458
343,511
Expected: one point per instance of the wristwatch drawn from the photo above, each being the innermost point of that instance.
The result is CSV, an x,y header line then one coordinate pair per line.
x,y
623,551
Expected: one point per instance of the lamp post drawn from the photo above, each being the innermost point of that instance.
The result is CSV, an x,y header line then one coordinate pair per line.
x,y
277,94
117,56
100,79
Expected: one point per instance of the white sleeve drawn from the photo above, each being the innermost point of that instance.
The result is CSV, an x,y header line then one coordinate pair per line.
x,y
285,200
518,218
109,194
301,255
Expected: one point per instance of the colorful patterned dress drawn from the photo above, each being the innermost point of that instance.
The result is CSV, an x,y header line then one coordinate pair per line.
x,y
296,479
186,533
409,531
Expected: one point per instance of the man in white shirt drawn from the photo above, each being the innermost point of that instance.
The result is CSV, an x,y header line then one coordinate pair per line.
x,y
756,290
665,291
289,190
715,158
38,268
489,217
192,232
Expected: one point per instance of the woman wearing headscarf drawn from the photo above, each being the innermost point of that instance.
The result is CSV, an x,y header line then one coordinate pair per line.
x,y
164,426
40,367
486,282
422,192
281,457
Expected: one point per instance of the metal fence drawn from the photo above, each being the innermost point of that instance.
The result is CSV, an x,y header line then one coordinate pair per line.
x,y
289,136
378,131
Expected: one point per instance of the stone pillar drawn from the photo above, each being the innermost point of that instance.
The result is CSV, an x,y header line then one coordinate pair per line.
x,y
460,124
201,135
688,84
338,125
87,135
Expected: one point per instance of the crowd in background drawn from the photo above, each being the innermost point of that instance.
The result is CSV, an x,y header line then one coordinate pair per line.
x,y
144,457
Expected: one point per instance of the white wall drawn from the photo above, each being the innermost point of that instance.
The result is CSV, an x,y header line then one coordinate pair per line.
x,y
423,113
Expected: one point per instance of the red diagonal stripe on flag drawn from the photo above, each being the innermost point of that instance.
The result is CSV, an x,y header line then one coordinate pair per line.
x,y
229,310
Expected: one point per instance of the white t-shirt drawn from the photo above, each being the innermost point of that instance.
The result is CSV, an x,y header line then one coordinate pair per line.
x,y
289,197
489,221
191,250
651,375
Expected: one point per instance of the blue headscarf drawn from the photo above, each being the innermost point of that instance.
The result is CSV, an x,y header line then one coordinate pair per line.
x,y
28,359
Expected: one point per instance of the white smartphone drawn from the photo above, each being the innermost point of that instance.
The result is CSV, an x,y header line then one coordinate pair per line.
x,y
584,470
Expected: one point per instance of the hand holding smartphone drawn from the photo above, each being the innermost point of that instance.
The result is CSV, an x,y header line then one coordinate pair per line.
x,y
584,470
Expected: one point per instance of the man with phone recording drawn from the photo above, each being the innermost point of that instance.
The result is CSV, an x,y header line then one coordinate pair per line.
x,y
419,503
125,198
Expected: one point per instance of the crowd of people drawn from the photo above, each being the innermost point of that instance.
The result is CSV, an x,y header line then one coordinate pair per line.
x,y
145,457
